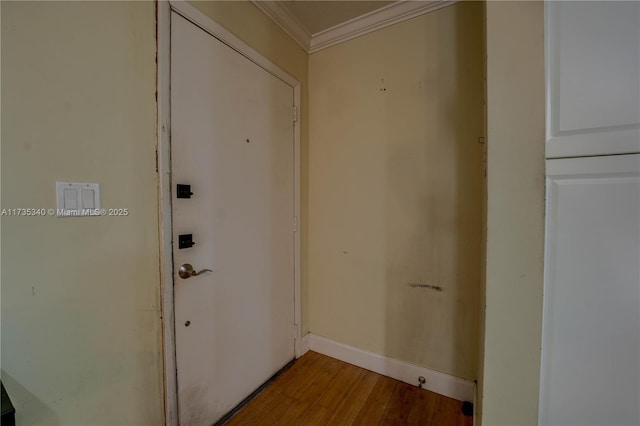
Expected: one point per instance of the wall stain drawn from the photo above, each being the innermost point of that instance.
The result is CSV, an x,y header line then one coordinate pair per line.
x,y
429,286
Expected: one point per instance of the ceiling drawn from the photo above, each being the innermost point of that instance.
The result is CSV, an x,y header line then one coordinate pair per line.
x,y
317,16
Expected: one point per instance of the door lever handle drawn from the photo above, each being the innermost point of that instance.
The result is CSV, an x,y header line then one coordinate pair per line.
x,y
186,271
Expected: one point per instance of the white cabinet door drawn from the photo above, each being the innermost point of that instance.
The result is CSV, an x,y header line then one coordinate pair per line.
x,y
591,334
593,78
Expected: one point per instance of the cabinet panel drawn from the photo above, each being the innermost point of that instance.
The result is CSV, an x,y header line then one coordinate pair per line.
x,y
593,78
591,334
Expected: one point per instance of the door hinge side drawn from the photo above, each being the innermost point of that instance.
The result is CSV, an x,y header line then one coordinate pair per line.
x,y
295,331
295,114
295,224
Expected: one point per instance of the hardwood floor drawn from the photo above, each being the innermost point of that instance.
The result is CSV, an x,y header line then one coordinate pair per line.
x,y
319,390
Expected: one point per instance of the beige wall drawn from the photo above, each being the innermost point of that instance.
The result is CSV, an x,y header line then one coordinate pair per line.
x,y
515,212
396,188
81,320
246,22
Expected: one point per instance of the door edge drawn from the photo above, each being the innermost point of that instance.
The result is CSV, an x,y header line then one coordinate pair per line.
x,y
163,166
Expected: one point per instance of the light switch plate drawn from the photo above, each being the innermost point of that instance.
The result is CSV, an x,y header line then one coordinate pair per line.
x,y
77,199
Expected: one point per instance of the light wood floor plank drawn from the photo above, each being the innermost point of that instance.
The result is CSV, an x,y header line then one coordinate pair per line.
x,y
304,379
271,414
423,408
376,404
294,414
344,379
321,383
353,402
317,416
399,405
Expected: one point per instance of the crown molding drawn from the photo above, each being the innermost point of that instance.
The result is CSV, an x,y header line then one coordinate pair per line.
x,y
286,20
369,22
392,14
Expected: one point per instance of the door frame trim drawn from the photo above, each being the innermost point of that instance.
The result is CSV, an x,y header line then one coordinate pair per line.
x,y
163,82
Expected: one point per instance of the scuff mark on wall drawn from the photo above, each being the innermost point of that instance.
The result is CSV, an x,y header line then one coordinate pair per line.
x,y
429,286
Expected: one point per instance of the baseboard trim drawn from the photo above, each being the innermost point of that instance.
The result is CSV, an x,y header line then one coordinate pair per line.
x,y
440,383
303,348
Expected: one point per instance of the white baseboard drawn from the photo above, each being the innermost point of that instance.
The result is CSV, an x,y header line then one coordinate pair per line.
x,y
303,348
440,383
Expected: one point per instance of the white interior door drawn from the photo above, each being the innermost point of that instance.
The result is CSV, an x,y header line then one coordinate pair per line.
x,y
232,140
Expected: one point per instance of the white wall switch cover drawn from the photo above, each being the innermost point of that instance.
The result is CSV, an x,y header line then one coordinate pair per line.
x,y
77,199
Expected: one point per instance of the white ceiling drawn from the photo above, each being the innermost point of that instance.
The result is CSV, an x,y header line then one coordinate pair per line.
x,y
317,16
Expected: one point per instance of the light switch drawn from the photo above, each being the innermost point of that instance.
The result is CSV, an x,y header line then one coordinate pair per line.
x,y
88,198
77,199
71,199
